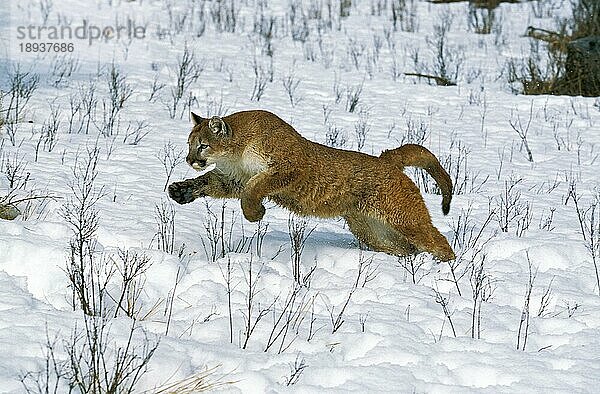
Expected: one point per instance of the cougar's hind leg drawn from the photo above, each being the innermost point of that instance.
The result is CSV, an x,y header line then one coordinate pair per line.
x,y
427,238
378,235
361,230
407,214
400,240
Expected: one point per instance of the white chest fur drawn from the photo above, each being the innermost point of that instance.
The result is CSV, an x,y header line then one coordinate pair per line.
x,y
242,168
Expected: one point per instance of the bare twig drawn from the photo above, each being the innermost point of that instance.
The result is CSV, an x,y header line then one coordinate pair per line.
x,y
522,130
523,331
298,236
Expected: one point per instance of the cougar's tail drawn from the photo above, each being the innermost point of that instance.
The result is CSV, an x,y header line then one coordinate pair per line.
x,y
412,155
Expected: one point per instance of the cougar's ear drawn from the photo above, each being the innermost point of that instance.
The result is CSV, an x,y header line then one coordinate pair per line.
x,y
219,127
196,119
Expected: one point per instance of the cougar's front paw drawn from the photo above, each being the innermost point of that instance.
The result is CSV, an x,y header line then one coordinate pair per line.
x,y
181,192
253,212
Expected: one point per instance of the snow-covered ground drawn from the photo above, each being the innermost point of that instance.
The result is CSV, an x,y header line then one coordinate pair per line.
x,y
394,334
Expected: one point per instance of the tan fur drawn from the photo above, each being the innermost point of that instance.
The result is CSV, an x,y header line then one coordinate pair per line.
x,y
258,155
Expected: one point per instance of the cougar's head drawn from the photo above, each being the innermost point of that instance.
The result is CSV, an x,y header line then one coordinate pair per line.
x,y
206,141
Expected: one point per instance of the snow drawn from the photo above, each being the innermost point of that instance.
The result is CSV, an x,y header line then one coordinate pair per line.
x,y
395,336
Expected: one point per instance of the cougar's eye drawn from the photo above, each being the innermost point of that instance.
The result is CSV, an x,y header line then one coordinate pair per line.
x,y
201,147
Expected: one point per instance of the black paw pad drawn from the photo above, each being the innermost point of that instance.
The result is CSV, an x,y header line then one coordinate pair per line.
x,y
181,193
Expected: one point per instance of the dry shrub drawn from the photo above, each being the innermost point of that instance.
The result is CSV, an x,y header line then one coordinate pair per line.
x,y
569,65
